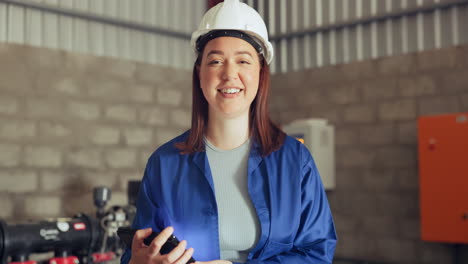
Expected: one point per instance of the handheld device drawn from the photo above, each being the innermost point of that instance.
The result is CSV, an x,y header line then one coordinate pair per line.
x,y
126,235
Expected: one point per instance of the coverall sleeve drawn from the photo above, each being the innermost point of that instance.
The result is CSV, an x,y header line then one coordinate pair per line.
x,y
316,238
146,210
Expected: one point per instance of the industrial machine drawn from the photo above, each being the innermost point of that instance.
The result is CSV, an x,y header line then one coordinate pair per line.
x,y
319,137
79,239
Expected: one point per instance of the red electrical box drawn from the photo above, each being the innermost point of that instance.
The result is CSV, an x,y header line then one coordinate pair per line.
x,y
443,177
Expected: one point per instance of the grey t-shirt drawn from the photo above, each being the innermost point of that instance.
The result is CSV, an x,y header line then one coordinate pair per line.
x,y
239,228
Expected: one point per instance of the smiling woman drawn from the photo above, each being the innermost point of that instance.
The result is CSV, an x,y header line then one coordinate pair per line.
x,y
234,187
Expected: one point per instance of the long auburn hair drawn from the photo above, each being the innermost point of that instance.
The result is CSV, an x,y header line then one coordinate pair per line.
x,y
263,130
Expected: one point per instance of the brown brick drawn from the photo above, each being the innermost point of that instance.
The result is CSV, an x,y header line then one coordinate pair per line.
x,y
138,136
396,250
181,118
436,253
464,101
407,179
397,110
153,73
45,58
346,224
355,158
84,157
17,129
377,134
398,204
345,136
395,157
331,114
376,180
408,228
121,158
359,114
120,112
382,226
396,65
407,133
107,88
105,135
91,179
358,70
87,64
42,206
439,105
50,82
13,70
437,59
417,86
54,129
40,107
8,105
142,93
154,116
6,206
357,201
18,181
84,110
462,56
168,95
455,81
56,180
344,94
348,179
10,155
45,157
307,97
378,90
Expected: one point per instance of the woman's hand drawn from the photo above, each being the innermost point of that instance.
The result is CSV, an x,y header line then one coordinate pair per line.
x,y
213,262
142,254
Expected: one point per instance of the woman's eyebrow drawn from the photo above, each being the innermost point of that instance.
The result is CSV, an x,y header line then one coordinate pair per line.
x,y
219,52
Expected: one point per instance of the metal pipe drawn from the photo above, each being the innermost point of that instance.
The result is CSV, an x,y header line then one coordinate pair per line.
x,y
369,19
98,18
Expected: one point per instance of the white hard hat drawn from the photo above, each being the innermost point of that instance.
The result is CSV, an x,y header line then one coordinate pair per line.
x,y
232,15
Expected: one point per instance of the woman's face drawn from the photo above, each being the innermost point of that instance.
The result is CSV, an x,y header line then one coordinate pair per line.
x,y
229,76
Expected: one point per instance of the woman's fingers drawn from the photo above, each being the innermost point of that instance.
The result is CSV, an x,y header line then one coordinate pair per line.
x,y
185,257
139,236
159,241
177,252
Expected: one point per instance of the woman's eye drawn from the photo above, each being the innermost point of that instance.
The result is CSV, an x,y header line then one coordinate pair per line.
x,y
214,62
245,62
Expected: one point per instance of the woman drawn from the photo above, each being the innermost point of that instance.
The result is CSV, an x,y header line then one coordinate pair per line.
x,y
234,187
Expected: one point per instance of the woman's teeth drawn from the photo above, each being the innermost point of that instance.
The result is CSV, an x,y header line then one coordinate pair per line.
x,y
230,90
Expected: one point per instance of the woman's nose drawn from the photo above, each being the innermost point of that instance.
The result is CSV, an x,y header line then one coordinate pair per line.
x,y
230,72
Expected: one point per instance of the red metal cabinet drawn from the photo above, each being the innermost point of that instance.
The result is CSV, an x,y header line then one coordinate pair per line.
x,y
443,177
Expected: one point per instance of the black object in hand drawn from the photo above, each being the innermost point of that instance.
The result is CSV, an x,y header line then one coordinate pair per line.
x,y
126,235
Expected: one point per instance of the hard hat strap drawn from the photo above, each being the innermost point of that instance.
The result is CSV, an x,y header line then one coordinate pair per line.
x,y
202,40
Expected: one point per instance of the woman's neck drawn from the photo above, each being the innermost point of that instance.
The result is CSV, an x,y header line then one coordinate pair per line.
x,y
228,133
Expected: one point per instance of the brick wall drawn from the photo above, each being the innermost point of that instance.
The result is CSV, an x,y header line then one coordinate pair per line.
x,y
374,107
70,122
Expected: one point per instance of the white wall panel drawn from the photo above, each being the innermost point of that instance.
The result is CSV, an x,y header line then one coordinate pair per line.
x,y
96,30
33,26
3,22
66,27
81,33
111,40
51,29
15,22
373,39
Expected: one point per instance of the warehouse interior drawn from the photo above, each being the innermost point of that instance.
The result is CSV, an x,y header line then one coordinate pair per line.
x,y
90,88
